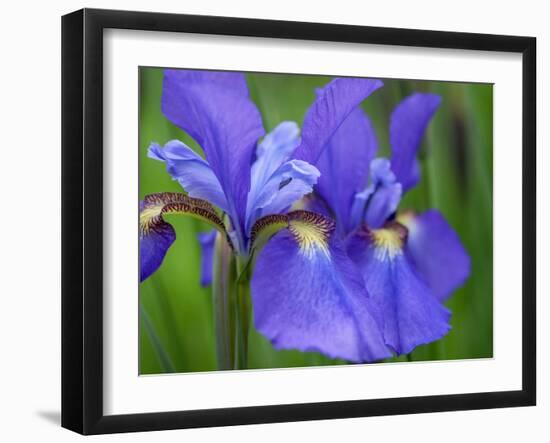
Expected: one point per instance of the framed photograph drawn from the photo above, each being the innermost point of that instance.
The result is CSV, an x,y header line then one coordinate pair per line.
x,y
270,221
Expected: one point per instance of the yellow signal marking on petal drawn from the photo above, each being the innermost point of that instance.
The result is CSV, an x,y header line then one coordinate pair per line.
x,y
148,217
311,231
389,240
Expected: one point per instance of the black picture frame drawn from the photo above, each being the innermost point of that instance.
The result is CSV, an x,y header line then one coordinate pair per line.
x,y
82,220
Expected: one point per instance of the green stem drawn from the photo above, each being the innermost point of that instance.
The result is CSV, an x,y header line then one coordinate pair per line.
x,y
223,286
243,311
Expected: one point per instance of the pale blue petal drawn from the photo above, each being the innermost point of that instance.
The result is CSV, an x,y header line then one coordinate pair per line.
x,y
380,199
382,204
191,171
290,182
274,150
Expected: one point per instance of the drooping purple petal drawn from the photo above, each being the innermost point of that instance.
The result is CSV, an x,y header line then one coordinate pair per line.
x,y
344,166
153,248
308,295
333,105
408,124
437,252
207,241
191,171
412,314
215,109
156,235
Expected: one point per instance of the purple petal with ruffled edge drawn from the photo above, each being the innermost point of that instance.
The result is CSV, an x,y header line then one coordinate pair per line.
x,y
333,105
207,241
191,171
412,314
407,126
308,295
215,109
437,252
344,166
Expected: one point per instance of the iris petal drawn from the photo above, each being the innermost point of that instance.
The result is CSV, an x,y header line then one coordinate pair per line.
x,y
274,150
156,235
215,109
383,195
276,183
191,171
382,204
436,251
412,314
290,182
207,241
379,200
407,126
308,295
344,166
332,106
153,248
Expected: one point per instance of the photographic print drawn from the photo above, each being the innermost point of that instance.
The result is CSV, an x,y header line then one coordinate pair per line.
x,y
302,221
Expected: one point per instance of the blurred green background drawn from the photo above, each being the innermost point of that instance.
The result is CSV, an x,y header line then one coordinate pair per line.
x,y
176,319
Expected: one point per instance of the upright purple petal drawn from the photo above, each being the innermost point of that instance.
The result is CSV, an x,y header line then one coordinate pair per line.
x,y
437,252
407,127
274,150
290,182
214,108
381,197
344,165
382,204
308,295
207,241
333,105
193,174
412,315
276,181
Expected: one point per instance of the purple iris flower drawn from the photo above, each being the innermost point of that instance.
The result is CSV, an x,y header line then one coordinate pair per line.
x,y
307,293
410,263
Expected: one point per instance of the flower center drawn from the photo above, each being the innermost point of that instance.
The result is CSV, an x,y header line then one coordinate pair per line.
x,y
148,216
311,234
389,240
